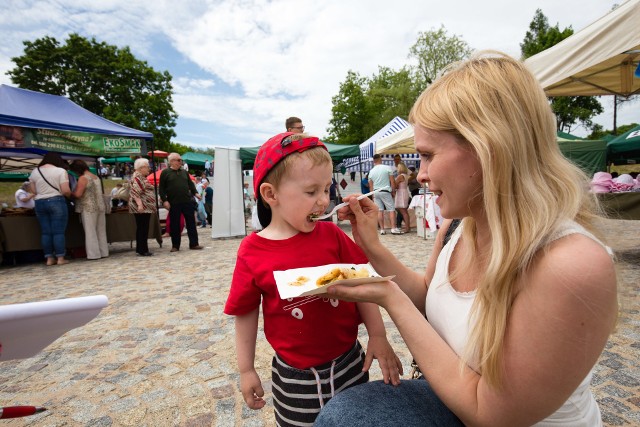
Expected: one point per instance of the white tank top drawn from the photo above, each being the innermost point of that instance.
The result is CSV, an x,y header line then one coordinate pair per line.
x,y
448,312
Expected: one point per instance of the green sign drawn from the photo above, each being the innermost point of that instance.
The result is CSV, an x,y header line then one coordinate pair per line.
x,y
84,143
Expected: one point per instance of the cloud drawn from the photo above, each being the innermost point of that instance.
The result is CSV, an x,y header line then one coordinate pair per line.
x,y
241,67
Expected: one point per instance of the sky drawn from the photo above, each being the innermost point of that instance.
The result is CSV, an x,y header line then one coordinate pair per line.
x,y
241,67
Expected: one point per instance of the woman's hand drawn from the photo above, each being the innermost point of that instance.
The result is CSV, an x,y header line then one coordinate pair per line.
x,y
381,293
363,216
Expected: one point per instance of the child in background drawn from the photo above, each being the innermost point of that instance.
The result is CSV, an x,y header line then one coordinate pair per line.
x,y
315,338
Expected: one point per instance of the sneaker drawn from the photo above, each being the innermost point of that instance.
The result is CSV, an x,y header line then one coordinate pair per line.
x,y
382,232
174,249
396,231
196,247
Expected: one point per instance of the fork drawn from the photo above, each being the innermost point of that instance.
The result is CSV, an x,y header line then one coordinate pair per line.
x,y
342,205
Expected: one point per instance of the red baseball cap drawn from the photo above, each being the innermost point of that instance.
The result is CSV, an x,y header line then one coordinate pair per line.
x,y
275,149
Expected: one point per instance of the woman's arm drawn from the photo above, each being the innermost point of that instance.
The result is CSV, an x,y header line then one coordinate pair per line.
x,y
80,187
363,216
65,190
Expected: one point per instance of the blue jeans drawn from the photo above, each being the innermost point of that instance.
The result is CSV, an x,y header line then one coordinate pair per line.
x,y
53,215
412,403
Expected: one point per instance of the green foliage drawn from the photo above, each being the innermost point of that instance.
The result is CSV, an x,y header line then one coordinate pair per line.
x,y
572,109
365,104
349,111
569,110
599,132
102,78
541,36
434,50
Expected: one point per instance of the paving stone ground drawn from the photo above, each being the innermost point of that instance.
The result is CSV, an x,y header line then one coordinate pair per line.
x,y
162,352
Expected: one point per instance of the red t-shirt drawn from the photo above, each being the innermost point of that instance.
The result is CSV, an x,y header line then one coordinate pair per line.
x,y
306,331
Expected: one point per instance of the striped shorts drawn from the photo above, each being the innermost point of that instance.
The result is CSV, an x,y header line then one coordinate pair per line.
x,y
299,394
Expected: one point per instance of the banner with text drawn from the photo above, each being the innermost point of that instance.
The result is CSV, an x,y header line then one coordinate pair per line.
x,y
91,144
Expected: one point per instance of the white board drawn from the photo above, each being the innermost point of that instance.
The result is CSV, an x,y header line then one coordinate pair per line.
x,y
228,204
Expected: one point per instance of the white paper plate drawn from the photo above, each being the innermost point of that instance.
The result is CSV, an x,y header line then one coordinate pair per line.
x,y
284,278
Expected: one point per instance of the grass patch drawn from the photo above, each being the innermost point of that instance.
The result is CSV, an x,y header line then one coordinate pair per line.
x,y
8,190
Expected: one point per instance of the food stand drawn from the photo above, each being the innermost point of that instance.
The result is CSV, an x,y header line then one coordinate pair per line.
x,y
34,123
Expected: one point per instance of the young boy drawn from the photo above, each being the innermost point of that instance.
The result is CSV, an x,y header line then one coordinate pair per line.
x,y
315,338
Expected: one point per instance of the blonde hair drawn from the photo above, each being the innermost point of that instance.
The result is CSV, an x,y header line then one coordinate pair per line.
x,y
402,168
495,105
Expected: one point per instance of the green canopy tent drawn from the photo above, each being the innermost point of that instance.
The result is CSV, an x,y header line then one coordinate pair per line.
x,y
113,160
338,153
196,159
590,156
625,149
565,135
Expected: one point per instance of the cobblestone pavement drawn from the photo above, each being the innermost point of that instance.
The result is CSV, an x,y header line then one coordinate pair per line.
x,y
162,352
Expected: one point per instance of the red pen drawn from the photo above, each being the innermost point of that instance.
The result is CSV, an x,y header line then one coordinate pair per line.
x,y
19,411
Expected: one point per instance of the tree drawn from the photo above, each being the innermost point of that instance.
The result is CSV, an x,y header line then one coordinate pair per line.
x,y
390,93
102,78
434,50
541,36
349,112
569,110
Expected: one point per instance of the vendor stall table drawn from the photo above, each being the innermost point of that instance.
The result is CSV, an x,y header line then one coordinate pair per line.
x,y
22,233
621,205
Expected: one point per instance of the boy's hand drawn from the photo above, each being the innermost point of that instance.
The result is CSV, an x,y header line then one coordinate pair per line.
x,y
251,389
379,348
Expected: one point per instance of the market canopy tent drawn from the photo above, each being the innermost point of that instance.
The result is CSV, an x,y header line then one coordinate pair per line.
x,y
112,160
590,156
625,149
400,142
196,159
15,160
598,60
338,153
31,119
370,147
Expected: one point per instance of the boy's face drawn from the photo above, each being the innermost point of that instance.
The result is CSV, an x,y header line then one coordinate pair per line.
x,y
303,191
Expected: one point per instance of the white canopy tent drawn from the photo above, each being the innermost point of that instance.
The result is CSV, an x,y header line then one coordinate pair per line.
x,y
400,142
598,60
368,148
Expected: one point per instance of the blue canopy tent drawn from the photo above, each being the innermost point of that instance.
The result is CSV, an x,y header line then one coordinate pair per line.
x,y
32,123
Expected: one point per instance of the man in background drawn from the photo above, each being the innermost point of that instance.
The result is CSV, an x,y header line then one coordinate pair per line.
x,y
177,191
382,176
294,124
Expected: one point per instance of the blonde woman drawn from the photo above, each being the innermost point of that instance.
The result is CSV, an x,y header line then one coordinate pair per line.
x,y
90,206
401,199
521,300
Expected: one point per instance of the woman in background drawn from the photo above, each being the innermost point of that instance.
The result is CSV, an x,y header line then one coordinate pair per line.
x,y
50,184
142,203
90,205
401,200
24,197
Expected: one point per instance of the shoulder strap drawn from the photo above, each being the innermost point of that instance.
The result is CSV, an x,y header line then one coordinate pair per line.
x,y
45,180
452,227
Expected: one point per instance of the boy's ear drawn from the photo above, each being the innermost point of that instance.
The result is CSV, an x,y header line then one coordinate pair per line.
x,y
267,192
